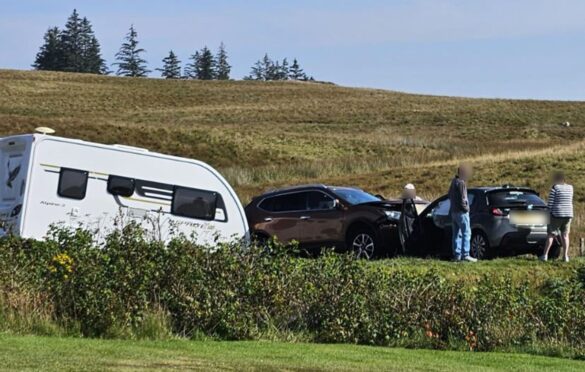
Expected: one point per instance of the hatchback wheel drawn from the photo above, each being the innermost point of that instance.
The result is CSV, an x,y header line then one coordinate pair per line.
x,y
479,245
363,244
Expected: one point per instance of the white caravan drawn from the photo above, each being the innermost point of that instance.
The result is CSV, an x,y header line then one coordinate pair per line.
x,y
48,180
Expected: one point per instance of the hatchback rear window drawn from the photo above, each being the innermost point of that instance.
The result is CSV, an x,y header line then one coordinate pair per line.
x,y
508,198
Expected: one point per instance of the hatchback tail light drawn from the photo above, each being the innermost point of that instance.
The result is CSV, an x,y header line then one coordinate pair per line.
x,y
498,212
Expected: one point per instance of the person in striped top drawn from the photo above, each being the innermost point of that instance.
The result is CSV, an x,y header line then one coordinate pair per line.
x,y
560,205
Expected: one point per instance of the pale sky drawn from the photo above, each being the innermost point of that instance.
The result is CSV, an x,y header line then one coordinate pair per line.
x,y
477,48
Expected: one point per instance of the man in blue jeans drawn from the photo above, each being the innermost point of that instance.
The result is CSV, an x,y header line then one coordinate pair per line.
x,y
459,212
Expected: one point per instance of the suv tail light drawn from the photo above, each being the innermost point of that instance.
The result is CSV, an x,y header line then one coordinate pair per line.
x,y
498,212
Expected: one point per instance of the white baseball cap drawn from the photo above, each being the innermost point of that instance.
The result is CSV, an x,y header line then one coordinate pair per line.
x,y
409,186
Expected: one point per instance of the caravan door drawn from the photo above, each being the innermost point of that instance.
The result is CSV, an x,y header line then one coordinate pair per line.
x,y
13,169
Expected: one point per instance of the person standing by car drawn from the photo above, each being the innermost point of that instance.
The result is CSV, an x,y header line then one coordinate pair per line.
x,y
560,205
409,192
459,211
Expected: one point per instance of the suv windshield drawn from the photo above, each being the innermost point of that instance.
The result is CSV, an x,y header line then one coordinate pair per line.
x,y
507,198
355,196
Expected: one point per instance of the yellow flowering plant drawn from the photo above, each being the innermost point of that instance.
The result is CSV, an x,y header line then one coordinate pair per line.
x,y
61,265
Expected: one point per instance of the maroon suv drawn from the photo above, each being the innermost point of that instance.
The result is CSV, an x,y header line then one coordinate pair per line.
x,y
319,216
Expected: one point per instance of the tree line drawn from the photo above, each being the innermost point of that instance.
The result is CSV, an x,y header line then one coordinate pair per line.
x,y
75,48
268,69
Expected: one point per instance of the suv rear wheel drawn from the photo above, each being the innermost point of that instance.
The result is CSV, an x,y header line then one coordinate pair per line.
x,y
480,245
362,243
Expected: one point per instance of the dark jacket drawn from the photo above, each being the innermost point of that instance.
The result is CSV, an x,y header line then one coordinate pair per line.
x,y
458,196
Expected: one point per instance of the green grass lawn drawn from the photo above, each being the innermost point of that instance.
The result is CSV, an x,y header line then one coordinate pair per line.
x,y
36,353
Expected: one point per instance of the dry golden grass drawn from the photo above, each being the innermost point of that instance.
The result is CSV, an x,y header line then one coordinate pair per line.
x,y
262,135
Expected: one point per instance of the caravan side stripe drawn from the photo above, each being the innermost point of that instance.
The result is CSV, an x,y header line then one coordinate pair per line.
x,y
91,172
147,201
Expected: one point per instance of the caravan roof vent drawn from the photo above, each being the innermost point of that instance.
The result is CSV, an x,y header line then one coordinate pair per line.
x,y
132,148
45,130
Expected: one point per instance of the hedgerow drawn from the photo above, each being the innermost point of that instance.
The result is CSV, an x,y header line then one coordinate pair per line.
x,y
130,286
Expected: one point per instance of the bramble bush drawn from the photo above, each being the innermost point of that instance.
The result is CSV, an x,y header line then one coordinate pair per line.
x,y
130,286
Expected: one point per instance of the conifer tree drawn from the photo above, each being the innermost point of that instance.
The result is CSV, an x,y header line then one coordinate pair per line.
x,y
206,65
222,67
263,69
92,60
273,70
268,66
71,43
257,72
130,63
284,70
191,68
50,56
171,67
81,48
296,72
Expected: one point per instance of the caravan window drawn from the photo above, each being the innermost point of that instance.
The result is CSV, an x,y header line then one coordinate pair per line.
x,y
121,186
72,183
194,203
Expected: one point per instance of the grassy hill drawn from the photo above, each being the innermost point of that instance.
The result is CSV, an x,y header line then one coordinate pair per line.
x,y
262,135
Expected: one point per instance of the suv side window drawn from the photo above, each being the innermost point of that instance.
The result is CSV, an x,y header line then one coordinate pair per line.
x,y
471,199
267,204
319,201
442,208
289,202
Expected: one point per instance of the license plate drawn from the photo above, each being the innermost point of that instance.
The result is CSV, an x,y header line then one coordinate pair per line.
x,y
528,218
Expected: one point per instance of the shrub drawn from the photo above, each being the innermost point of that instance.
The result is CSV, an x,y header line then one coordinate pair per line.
x,y
130,286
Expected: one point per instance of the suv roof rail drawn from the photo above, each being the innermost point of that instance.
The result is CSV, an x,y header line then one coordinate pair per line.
x,y
295,187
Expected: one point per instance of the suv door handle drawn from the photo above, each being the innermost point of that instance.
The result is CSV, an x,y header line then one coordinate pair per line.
x,y
268,219
305,217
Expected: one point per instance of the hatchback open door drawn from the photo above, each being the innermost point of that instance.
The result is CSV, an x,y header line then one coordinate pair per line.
x,y
407,226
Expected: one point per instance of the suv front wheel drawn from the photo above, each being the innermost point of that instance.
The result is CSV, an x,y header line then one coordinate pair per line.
x,y
362,242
